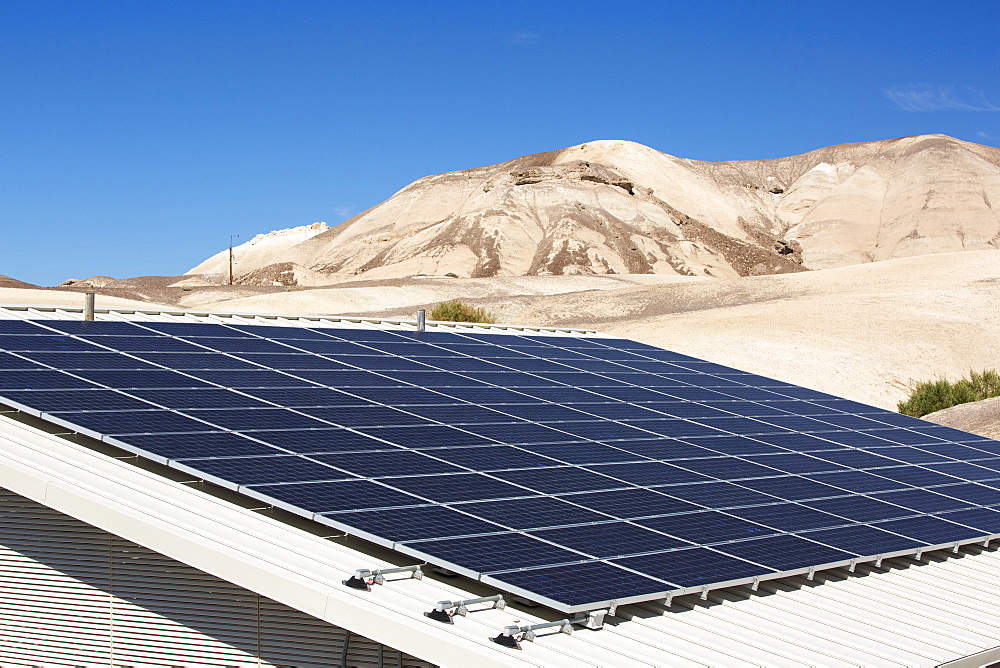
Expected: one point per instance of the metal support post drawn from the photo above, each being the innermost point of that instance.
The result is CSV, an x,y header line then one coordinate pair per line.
x,y
88,306
364,578
421,320
509,636
440,612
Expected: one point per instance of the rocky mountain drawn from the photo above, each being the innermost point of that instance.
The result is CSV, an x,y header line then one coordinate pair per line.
x,y
616,207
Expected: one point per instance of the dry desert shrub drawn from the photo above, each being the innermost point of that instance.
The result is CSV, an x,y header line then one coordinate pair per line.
x,y
456,311
937,395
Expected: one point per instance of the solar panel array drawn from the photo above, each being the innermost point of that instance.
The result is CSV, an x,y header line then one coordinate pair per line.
x,y
574,471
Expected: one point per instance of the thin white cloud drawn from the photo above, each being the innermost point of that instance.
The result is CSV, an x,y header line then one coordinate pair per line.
x,y
930,97
524,37
342,211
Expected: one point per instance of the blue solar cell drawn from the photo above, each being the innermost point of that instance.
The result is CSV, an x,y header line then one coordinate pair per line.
x,y
291,361
262,470
954,451
727,468
636,414
88,360
978,494
294,397
230,344
148,344
792,488
462,364
363,416
532,512
248,419
862,540
497,552
379,362
559,479
855,439
788,517
693,567
424,436
909,454
752,409
602,430
450,488
76,400
707,526
240,378
679,428
611,539
862,508
858,481
324,497
460,413
485,395
632,503
648,473
388,463
195,329
84,328
544,412
740,425
582,583
922,477
718,494
53,343
491,458
857,459
733,445
785,553
21,327
198,398
399,396
140,378
417,523
852,422
298,334
306,441
961,470
513,433
798,423
329,346
795,463
922,500
201,444
665,449
690,411
8,361
561,395
928,529
984,520
584,452
134,422
799,442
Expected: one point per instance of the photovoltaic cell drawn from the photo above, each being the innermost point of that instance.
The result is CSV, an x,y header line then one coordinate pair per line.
x,y
635,471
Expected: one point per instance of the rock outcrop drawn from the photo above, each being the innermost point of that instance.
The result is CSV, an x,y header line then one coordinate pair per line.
x,y
615,207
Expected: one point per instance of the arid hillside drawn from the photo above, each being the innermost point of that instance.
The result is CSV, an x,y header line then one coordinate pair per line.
x,y
616,207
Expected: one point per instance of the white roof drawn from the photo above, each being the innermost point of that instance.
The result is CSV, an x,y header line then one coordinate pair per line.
x,y
906,613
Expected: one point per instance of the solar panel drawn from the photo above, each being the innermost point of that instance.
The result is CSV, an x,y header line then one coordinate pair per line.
x,y
572,471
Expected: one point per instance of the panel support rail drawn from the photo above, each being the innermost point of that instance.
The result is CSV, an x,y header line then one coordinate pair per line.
x,y
441,609
364,578
513,635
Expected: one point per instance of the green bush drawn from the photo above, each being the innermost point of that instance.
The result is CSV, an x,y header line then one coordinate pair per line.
x,y
456,311
940,394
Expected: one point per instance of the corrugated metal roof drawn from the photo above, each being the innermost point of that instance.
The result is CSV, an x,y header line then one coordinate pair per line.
x,y
904,613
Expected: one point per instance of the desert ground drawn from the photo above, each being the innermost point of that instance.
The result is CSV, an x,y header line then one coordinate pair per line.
x,y
866,332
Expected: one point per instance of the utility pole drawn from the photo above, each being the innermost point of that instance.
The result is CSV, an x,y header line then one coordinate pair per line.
x,y
231,237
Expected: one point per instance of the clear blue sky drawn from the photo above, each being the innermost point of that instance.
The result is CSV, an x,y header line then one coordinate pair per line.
x,y
136,136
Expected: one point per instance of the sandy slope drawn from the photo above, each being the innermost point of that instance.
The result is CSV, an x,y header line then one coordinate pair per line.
x,y
42,297
978,417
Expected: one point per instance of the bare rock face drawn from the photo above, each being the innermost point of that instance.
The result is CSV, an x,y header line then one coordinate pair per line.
x,y
616,207
978,417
